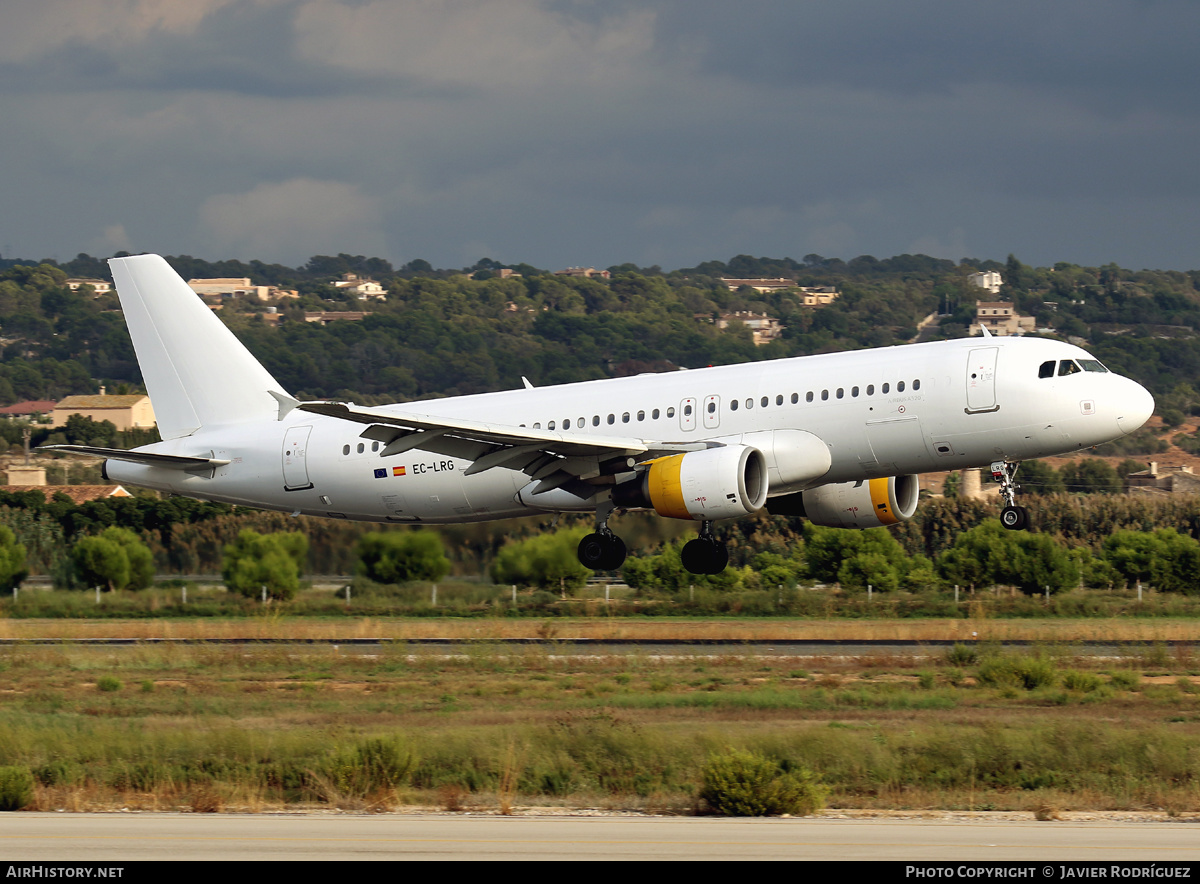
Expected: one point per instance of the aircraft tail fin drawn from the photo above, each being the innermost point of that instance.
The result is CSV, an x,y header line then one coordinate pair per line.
x,y
196,371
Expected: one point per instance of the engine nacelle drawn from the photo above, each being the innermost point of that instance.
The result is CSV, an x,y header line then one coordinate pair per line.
x,y
716,483
869,503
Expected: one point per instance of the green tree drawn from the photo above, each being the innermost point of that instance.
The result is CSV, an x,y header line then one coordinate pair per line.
x,y
545,560
114,559
399,557
12,560
254,561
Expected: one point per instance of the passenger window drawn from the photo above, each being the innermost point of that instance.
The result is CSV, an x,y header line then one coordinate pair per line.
x,y
345,449
687,411
870,389
886,387
712,407
612,419
654,414
595,420
733,405
900,387
779,400
764,402
361,447
1067,367
854,392
625,418
917,384
374,446
795,398
1046,370
641,415
671,411
537,425
808,397
749,403
840,392
824,395
550,426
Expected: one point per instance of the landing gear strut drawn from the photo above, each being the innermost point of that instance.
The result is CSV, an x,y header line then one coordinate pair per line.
x,y
1012,516
705,554
603,550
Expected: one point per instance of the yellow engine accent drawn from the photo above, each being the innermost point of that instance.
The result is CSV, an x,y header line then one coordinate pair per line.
x,y
665,487
881,502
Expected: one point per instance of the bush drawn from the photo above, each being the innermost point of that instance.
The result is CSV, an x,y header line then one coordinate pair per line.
x,y
272,560
747,784
1011,670
115,559
400,557
371,766
16,788
1086,682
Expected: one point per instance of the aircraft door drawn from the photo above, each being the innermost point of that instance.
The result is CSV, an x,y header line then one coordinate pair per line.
x,y
295,459
981,380
687,414
712,412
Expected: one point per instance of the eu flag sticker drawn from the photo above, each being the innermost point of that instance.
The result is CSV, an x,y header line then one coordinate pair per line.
x,y
381,474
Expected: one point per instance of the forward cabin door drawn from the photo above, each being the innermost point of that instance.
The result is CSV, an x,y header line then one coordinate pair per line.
x,y
295,459
981,380
712,412
687,414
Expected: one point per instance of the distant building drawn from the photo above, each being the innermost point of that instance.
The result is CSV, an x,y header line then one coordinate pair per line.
x,y
125,412
813,295
329,316
1172,480
987,279
28,410
230,287
584,272
1000,318
762,327
99,286
78,493
819,296
361,287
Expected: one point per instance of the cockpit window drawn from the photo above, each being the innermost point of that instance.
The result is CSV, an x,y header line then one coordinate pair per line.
x,y
1092,365
1068,367
1046,370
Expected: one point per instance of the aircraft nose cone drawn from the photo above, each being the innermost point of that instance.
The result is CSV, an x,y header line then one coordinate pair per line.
x,y
1134,407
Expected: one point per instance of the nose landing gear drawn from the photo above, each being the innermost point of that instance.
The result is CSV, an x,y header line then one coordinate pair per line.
x,y
1013,517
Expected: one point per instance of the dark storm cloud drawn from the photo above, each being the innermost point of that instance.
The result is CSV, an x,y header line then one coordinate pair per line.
x,y
579,131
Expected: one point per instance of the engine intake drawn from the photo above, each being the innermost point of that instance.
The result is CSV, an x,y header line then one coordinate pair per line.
x,y
869,503
716,483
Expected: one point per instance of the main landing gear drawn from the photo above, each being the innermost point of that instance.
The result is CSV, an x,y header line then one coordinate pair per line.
x,y
603,550
1013,517
705,554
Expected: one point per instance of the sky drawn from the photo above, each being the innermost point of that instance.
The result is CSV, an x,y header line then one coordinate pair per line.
x,y
598,132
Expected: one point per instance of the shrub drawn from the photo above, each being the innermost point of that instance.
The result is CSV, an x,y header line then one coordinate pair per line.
x,y
1011,670
1074,680
16,788
371,766
272,560
114,559
747,784
108,683
400,557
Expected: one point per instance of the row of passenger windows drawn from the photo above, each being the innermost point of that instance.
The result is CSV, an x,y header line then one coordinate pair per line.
x,y
1069,366
734,405
361,447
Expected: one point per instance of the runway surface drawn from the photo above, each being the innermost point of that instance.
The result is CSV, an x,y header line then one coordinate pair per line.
x,y
131,837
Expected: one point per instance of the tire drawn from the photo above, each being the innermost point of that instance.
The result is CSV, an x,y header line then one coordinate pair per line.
x,y
702,556
614,556
1014,518
591,552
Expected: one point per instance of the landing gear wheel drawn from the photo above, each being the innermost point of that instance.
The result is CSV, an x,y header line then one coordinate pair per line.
x,y
1015,518
704,555
602,552
1012,517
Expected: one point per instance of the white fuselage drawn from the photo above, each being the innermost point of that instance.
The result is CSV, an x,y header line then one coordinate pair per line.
x,y
885,412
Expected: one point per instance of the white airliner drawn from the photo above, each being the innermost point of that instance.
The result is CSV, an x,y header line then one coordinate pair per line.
x,y
839,438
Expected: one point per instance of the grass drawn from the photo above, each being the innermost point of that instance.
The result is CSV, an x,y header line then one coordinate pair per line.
x,y
255,728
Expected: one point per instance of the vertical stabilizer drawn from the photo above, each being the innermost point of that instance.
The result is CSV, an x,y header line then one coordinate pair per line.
x,y
196,372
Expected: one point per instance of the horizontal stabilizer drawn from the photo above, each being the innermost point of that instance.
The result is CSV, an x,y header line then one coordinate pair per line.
x,y
147,458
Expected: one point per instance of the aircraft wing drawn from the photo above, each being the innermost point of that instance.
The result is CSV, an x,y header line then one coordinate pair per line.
x,y
147,458
552,458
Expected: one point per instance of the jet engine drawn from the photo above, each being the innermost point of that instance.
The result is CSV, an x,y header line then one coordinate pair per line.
x,y
716,483
868,503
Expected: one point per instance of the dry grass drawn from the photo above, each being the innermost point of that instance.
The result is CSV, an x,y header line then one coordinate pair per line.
x,y
1049,630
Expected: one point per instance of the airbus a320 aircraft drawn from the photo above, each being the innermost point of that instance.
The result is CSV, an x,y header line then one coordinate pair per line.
x,y
838,438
